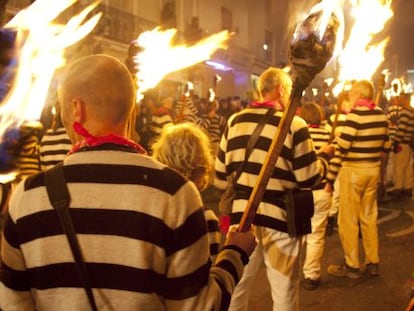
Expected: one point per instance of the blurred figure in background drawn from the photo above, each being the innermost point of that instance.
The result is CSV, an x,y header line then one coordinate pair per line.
x,y
55,143
186,148
315,241
363,140
404,136
161,115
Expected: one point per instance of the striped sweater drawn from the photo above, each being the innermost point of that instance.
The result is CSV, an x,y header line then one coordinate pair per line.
x,y
297,167
364,135
320,136
141,230
213,126
404,132
393,113
363,138
54,147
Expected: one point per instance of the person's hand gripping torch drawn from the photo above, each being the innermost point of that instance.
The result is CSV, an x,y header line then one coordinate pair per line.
x,y
308,56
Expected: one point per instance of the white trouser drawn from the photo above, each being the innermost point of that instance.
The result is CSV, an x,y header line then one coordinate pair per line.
x,y
315,241
281,255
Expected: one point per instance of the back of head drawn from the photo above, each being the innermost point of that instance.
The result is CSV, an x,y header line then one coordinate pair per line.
x,y
311,113
271,78
103,84
365,88
185,148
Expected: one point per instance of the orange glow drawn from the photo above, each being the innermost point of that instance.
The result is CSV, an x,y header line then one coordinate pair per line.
x,y
361,58
40,48
160,57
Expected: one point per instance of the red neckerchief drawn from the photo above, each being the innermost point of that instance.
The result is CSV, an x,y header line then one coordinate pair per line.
x,y
365,103
161,111
315,126
95,141
268,104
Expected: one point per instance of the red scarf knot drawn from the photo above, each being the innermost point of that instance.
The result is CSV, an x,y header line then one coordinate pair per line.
x,y
95,141
268,104
365,103
315,126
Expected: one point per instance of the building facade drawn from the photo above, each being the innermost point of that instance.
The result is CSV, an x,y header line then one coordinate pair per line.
x,y
261,35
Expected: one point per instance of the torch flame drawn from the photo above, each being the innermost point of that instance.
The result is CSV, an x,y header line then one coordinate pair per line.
x,y
212,95
40,47
160,57
360,58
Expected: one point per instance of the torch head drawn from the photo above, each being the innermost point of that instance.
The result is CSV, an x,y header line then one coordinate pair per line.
x,y
309,53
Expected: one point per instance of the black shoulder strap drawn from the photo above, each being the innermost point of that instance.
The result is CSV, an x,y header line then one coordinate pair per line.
x,y
253,140
59,196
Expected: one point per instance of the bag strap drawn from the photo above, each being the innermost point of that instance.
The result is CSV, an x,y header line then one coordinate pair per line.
x,y
59,196
252,141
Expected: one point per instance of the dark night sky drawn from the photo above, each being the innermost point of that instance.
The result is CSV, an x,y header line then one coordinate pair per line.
x,y
402,34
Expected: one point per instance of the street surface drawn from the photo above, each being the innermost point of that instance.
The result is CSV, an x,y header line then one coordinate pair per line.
x,y
388,292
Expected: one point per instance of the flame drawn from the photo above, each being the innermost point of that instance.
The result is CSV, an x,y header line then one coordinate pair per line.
x,y
398,86
190,87
40,47
160,57
218,78
212,95
329,81
360,58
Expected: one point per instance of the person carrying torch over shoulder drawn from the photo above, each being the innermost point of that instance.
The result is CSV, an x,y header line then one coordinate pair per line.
x,y
297,167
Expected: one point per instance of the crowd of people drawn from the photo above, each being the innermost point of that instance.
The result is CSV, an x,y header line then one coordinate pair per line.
x,y
137,206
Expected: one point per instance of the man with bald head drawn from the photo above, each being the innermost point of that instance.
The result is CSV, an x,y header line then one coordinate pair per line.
x,y
140,225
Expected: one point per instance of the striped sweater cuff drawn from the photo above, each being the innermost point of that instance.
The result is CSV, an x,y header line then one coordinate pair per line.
x,y
243,256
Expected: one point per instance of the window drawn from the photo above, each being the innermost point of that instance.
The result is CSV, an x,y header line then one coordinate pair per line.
x,y
226,19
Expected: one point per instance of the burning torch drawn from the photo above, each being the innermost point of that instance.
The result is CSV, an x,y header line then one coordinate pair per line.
x,y
309,54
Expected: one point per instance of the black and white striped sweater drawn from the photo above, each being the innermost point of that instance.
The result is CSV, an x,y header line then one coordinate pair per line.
x,y
142,233
298,166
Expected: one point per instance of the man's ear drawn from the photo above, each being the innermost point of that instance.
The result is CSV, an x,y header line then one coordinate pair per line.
x,y
78,110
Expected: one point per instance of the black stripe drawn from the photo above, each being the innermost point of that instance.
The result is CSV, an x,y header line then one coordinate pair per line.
x,y
269,222
165,179
374,112
380,137
310,182
10,232
51,162
186,286
229,267
213,226
62,141
121,278
129,224
186,235
254,117
14,279
54,152
365,149
368,159
214,249
261,220
225,297
102,275
304,160
300,136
